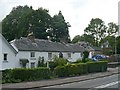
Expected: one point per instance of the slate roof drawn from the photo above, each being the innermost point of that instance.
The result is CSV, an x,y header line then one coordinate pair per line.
x,y
25,44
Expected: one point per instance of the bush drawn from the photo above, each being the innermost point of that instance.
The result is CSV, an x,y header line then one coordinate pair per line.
x,y
23,74
80,68
71,70
57,62
85,55
96,66
52,65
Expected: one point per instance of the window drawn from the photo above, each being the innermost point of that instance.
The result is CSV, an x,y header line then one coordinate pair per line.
x,y
32,64
69,55
49,56
5,57
32,54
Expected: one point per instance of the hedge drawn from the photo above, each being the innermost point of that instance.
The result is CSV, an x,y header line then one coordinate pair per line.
x,y
71,70
24,74
100,66
27,74
80,68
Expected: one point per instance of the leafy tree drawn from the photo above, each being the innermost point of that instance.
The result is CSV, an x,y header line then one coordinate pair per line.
x,y
40,22
60,28
76,39
84,37
14,25
97,29
23,20
110,39
112,29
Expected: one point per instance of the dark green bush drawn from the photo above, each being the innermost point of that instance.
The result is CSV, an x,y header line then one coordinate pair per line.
x,y
85,55
52,65
97,66
24,74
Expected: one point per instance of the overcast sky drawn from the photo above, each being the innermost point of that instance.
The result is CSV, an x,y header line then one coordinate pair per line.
x,y
77,12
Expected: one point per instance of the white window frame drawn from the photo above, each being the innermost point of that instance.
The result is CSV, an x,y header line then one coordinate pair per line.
x,y
50,55
5,57
32,54
69,55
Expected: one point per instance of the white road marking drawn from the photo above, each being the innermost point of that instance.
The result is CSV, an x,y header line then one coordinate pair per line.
x,y
107,85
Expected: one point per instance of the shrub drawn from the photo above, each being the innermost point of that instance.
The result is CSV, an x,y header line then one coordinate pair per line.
x,y
80,68
57,62
88,60
71,70
52,65
24,74
85,55
96,66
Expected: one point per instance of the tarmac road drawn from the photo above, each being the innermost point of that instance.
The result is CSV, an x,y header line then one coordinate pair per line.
x,y
105,82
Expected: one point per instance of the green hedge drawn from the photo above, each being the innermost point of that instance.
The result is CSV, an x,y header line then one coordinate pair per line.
x,y
27,74
100,66
23,74
80,68
71,70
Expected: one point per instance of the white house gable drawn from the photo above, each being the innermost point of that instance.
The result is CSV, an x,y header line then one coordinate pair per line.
x,y
8,54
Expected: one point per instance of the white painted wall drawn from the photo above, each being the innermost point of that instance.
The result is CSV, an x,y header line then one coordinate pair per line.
x,y
11,59
26,55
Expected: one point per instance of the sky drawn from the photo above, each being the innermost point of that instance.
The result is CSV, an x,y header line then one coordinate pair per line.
x,y
77,12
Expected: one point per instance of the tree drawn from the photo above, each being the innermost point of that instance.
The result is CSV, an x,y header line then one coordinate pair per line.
x,y
110,39
76,39
14,25
60,30
112,29
97,29
40,22
85,38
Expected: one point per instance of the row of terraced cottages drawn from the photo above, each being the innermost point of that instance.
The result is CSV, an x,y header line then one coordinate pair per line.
x,y
25,52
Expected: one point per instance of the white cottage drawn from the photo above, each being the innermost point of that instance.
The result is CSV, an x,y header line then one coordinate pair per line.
x,y
30,50
7,54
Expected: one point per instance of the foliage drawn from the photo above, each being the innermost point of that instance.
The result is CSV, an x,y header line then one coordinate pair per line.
x,y
57,62
112,29
85,38
76,39
97,29
70,70
23,74
78,61
80,68
23,20
41,62
15,22
96,66
85,55
60,28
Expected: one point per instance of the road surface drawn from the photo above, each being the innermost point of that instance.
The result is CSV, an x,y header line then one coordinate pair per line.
x,y
93,84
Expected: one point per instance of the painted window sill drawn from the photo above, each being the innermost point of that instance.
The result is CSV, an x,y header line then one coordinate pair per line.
x,y
5,61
